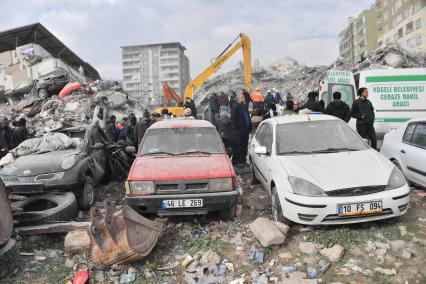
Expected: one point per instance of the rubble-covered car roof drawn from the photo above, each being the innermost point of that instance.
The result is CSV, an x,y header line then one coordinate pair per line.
x,y
301,118
181,123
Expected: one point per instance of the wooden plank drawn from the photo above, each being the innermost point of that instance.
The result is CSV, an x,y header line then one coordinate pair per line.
x,y
54,228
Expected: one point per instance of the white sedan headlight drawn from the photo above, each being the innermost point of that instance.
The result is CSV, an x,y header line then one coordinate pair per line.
x,y
69,162
304,187
396,179
141,187
221,184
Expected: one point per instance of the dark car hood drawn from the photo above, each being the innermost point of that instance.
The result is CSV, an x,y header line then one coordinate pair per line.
x,y
38,163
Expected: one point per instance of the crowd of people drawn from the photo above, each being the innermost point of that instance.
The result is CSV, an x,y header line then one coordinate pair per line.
x,y
235,123
229,114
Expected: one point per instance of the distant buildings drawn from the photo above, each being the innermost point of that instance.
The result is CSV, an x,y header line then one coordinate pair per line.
x,y
403,22
388,21
359,37
146,67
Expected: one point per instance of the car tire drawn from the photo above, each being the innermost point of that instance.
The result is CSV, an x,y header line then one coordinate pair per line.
x,y
254,180
277,211
44,208
228,214
87,195
9,255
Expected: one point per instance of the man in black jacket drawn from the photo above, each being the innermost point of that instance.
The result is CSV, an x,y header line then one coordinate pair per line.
x,y
313,103
247,98
363,111
7,138
338,108
21,132
111,129
241,127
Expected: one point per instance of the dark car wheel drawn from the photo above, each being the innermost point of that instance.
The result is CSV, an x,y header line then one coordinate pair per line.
x,y
9,255
254,180
87,194
39,209
277,211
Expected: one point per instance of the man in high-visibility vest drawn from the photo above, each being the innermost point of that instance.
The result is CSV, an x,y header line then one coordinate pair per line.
x,y
258,100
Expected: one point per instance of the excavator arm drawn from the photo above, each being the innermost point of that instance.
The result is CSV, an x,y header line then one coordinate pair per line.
x,y
245,44
168,93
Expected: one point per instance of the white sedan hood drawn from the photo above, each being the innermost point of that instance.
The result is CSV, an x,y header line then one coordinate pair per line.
x,y
331,171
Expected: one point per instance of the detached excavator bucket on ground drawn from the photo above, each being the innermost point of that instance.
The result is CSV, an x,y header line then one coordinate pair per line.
x,y
121,236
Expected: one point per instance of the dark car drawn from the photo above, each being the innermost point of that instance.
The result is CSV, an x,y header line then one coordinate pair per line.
x,y
78,168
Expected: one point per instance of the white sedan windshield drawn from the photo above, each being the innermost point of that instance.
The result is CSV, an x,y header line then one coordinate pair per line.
x,y
317,137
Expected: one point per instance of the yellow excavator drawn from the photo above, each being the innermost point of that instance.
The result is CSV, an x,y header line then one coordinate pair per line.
x,y
230,50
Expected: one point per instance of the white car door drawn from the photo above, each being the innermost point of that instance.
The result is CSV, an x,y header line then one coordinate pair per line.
x,y
414,154
255,142
265,161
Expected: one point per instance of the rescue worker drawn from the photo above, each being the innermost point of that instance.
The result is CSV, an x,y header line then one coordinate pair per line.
x,y
241,126
111,130
258,99
313,103
7,139
289,106
141,127
130,129
223,100
214,108
269,99
122,128
233,99
338,108
191,105
277,96
20,132
363,111
247,98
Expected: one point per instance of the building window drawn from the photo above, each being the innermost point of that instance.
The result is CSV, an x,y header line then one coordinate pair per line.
x,y
400,33
418,39
399,19
408,11
409,28
418,23
385,3
418,6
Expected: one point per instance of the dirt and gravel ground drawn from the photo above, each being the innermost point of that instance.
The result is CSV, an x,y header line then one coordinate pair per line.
x,y
391,251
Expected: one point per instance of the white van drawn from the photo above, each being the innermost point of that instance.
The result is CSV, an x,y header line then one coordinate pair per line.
x,y
397,95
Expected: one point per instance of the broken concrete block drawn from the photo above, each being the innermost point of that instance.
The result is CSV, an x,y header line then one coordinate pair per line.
x,y
334,253
397,245
307,247
388,272
394,59
282,227
77,241
210,257
299,281
266,232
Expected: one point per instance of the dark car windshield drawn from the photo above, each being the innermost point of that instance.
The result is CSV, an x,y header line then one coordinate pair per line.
x,y
317,137
181,141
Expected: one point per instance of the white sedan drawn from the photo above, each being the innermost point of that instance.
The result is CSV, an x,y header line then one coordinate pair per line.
x,y
406,148
318,171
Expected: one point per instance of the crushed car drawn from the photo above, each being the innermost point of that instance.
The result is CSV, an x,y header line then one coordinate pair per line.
x,y
182,168
74,159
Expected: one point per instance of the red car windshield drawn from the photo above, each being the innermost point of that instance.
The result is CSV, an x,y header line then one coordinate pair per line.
x,y
175,141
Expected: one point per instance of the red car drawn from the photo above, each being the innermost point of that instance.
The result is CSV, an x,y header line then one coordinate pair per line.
x,y
182,169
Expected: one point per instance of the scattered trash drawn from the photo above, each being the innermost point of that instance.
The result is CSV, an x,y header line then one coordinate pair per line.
x,y
260,256
81,277
288,269
187,260
312,272
31,269
127,278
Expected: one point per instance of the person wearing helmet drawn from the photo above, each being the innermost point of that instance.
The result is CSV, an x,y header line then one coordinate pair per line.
x,y
258,99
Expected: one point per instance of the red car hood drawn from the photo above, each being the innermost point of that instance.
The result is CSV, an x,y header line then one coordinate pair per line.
x,y
181,167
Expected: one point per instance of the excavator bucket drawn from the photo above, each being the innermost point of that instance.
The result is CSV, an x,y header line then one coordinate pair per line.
x,y
121,236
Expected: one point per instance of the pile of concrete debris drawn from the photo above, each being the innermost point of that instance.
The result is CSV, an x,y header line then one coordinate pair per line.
x,y
288,77
82,105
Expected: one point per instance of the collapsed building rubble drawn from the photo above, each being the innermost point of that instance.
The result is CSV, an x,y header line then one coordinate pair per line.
x,y
290,78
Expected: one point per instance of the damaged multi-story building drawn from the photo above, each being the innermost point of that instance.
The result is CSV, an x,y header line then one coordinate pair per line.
x,y
146,67
31,54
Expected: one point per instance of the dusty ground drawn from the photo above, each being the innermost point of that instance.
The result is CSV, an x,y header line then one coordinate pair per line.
x,y
367,246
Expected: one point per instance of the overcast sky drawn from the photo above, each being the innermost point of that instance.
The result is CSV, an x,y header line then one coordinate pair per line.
x,y
306,30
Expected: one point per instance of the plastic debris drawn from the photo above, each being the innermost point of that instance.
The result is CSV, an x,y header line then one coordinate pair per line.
x,y
288,269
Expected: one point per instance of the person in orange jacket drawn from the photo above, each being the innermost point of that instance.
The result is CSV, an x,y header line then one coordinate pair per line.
x,y
258,100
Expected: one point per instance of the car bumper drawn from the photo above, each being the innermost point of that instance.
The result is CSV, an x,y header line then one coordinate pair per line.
x,y
216,201
27,185
323,210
